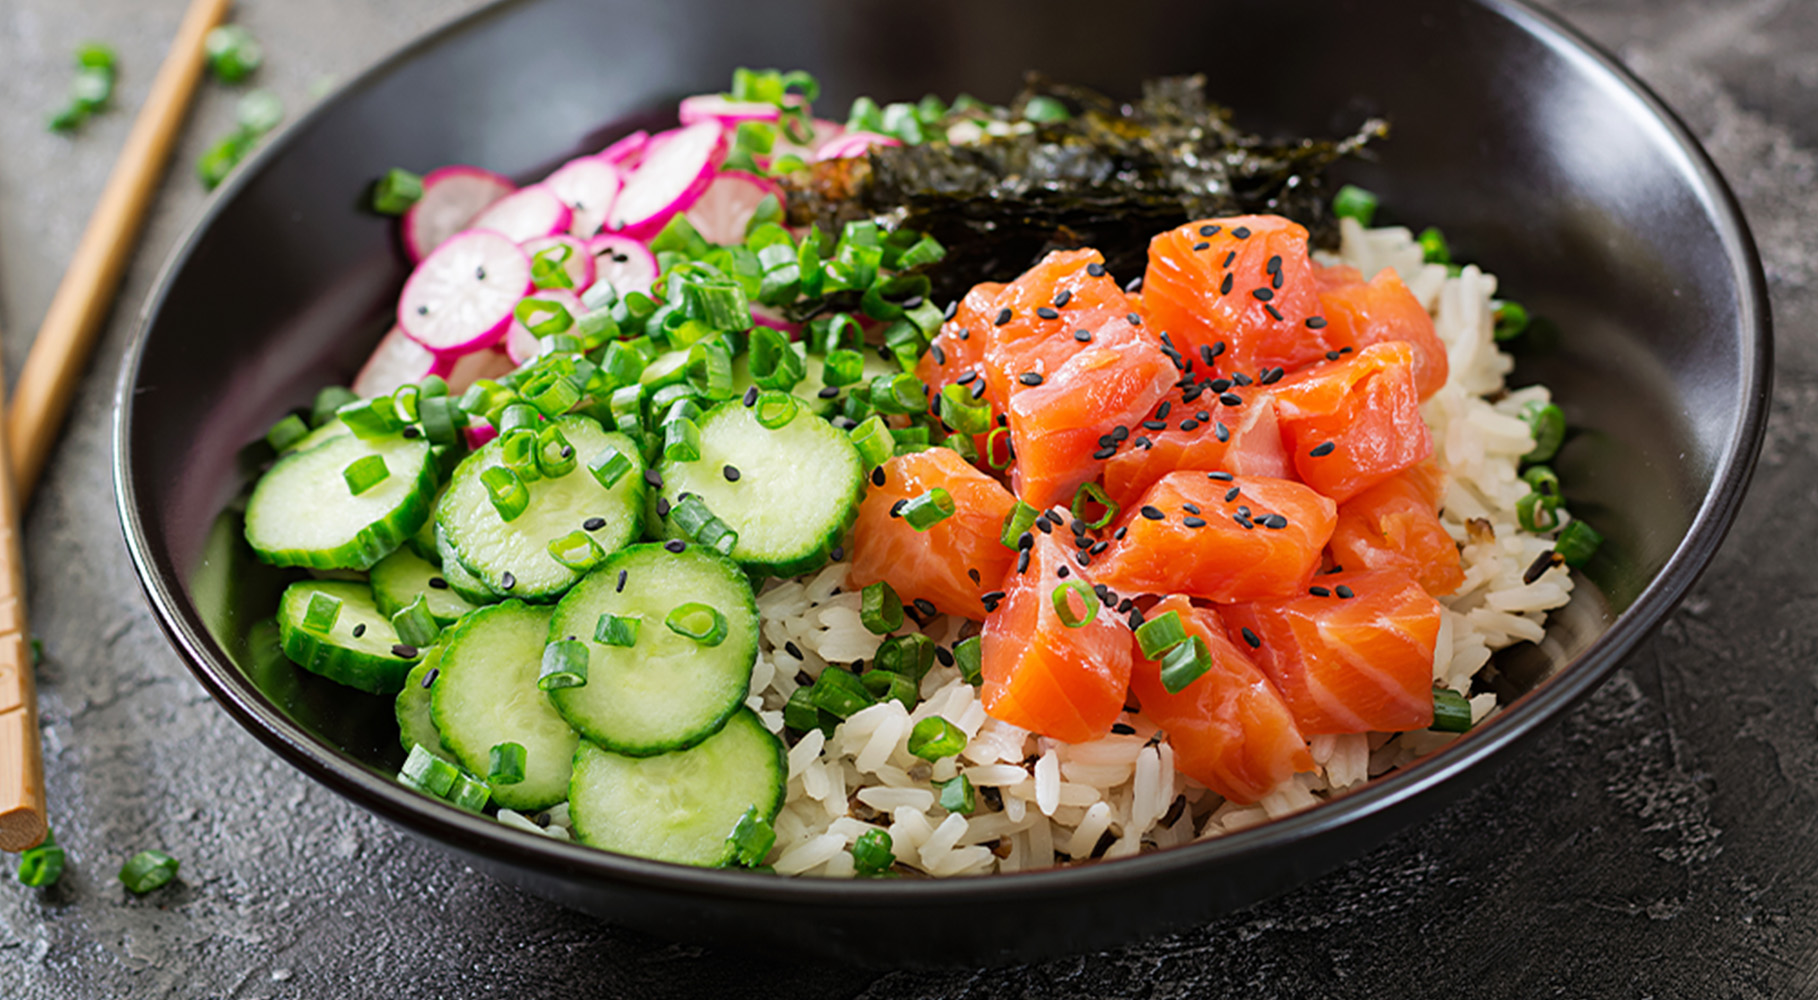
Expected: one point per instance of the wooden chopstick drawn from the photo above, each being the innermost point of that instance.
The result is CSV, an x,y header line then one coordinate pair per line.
x,y
49,378
59,352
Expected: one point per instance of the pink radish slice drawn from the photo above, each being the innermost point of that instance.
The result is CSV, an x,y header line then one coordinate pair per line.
x,y
671,177
452,196
824,132
625,152
854,144
724,210
531,212
479,432
460,298
521,344
579,264
467,369
728,112
397,361
626,263
587,185
773,318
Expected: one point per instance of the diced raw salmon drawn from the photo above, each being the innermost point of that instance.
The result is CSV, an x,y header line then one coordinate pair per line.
x,y
1243,439
1359,314
1395,525
954,563
1352,423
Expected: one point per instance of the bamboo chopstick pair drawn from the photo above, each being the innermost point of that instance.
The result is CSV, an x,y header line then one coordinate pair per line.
x,y
48,380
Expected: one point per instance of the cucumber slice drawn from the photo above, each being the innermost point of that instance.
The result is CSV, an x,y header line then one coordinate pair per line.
x,y
461,579
486,694
302,513
668,691
423,543
333,428
798,487
512,557
679,806
416,726
400,578
808,390
368,661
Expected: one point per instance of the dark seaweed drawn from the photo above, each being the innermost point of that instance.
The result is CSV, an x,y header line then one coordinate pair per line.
x,y
1110,176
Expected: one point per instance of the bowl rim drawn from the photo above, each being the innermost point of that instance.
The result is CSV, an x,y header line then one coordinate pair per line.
x,y
505,845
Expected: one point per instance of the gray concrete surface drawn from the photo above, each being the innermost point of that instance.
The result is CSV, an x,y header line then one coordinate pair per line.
x,y
1658,843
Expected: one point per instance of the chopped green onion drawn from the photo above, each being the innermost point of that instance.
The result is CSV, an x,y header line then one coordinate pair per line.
x,y
1159,634
1543,481
1353,202
364,473
1511,319
885,685
506,490
842,367
1185,664
555,456
752,837
415,625
911,655
841,693
1017,523
1547,423
622,363
233,53
147,870
328,403
1577,543
427,772
1092,493
95,55
880,609
1063,604
998,441
617,630
927,250
774,410
286,432
968,655
1536,513
442,420
694,519
42,866
899,393
1451,711
874,442
717,306
935,737
371,419
469,794
506,764
802,714
701,622
957,795
873,851
486,399
839,331
322,612
864,116
682,441
576,550
929,509
548,268
1042,108
396,191
609,466
564,665
221,158
518,452
259,111
627,405
961,413
1433,248
552,393
543,316
709,369
774,363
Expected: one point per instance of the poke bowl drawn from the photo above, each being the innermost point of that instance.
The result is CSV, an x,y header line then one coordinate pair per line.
x,y
1644,331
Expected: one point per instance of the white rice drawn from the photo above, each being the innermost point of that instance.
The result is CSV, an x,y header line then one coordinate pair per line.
x,y
1041,802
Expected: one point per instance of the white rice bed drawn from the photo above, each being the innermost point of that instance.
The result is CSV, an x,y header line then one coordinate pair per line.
x,y
1042,802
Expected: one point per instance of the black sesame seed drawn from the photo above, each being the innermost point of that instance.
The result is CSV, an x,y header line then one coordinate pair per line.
x,y
978,389
793,650
1022,561
1250,637
437,583
1083,336
951,311
1063,572
1135,285
1223,432
508,581
1062,297
1123,729
1047,312
877,476
1262,294
1275,522
1316,322
1202,246
1082,558
1228,259
430,677
828,392
1240,378
1142,442
1030,378
940,356
404,651
1136,618
912,302
973,573
1276,281
412,433
1044,525
1225,286
623,575
1319,592
1152,513
994,596
1243,510
1104,453
1231,399
1095,269
751,396
1194,522
1208,230
1241,232
359,630
1134,319
926,607
1026,540
1223,477
1078,527
1343,591
653,478
1003,316
966,379
1274,265
1120,533
941,653
896,509
1332,355
731,473
837,553
1274,313
1155,425
676,546
1346,350
1189,424
1232,493
662,506
1270,376
1321,451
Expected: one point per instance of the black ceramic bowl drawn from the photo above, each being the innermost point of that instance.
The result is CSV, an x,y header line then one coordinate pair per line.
x,y
1538,156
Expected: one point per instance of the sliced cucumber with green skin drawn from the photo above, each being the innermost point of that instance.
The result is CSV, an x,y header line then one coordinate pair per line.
x,y
485,694
334,428
400,578
668,691
416,725
423,543
790,493
461,579
678,806
512,557
371,661
302,512
808,390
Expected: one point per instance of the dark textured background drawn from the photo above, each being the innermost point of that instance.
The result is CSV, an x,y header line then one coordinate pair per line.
x,y
1659,842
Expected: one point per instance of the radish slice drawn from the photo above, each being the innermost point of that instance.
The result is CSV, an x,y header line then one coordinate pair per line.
x,y
671,177
773,318
626,263
467,369
854,144
824,132
452,196
724,210
521,344
587,185
579,264
531,212
479,433
626,152
715,108
460,298
397,361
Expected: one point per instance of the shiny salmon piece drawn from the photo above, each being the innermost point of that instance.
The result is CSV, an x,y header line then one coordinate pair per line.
x,y
1230,729
1352,423
954,563
1360,314
959,347
1347,665
1243,439
1395,525
1029,340
1211,555
1040,674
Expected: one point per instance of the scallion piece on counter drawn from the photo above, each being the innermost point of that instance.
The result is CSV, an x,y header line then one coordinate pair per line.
x,y
1433,247
701,622
957,795
935,737
841,693
1353,202
1089,494
42,865
398,189
609,466
564,665
1159,634
1577,543
968,656
286,432
509,496
1548,425
1185,664
233,53
426,772
1451,711
506,764
1511,319
258,112
880,609
1063,604
414,624
752,837
873,851
929,509
774,410
576,550
874,442
364,473
147,870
